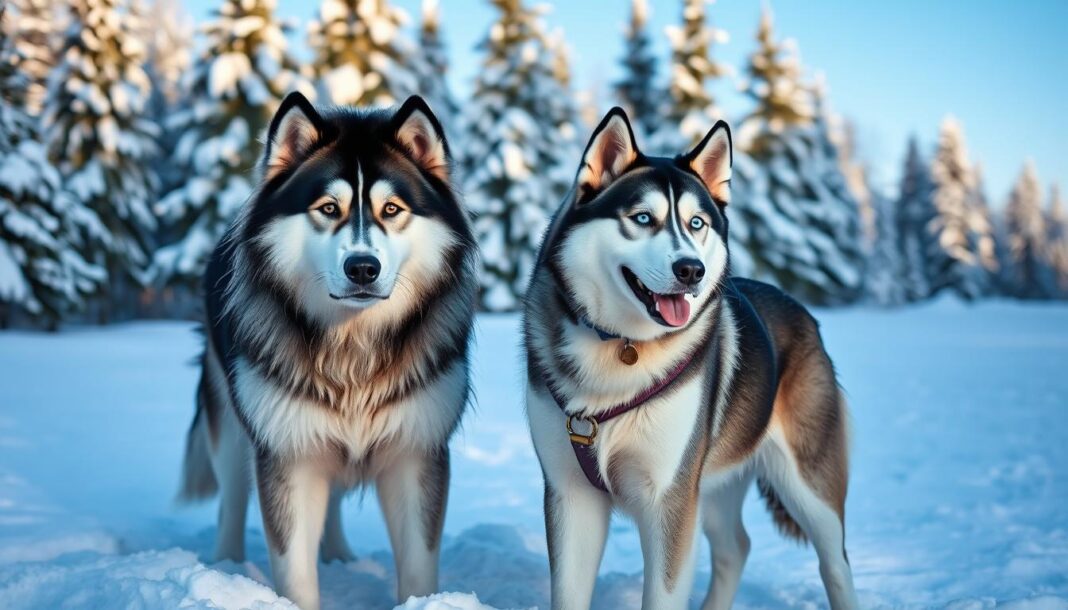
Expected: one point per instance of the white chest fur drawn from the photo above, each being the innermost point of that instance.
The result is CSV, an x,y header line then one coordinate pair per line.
x,y
291,425
648,444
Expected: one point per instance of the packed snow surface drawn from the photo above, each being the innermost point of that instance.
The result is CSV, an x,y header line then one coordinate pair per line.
x,y
959,495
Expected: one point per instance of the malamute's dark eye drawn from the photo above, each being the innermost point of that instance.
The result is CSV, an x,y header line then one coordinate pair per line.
x,y
330,210
642,218
390,210
697,223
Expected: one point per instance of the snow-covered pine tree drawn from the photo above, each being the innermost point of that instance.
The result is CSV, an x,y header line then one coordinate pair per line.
x,y
801,223
231,93
774,82
519,150
638,90
915,213
362,56
1057,241
1026,273
561,56
42,275
101,142
844,136
433,66
169,33
34,25
884,279
693,68
833,223
951,261
981,233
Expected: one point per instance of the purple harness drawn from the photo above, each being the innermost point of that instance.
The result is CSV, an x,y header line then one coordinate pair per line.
x,y
583,443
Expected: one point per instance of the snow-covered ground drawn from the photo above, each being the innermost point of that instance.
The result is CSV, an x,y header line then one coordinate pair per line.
x,y
959,494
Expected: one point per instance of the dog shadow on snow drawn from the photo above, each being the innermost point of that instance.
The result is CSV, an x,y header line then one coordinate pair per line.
x,y
495,562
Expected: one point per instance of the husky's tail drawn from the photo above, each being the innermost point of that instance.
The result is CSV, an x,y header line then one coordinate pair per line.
x,y
198,476
783,520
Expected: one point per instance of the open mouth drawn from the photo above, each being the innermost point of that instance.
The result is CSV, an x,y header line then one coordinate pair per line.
x,y
667,309
361,297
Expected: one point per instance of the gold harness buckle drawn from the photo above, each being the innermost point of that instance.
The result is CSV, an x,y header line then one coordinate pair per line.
x,y
582,439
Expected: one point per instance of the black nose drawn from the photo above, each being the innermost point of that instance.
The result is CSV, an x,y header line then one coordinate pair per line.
x,y
688,270
362,268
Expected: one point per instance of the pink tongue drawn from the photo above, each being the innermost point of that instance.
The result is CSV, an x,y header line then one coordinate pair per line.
x,y
673,308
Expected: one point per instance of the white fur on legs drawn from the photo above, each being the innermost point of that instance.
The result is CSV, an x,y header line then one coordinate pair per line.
x,y
334,547
403,499
231,462
657,592
295,570
577,520
721,520
817,519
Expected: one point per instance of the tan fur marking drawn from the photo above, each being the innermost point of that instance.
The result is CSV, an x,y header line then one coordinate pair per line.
x,y
810,409
346,371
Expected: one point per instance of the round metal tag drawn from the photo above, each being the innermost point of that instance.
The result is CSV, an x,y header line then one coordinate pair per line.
x,y
628,354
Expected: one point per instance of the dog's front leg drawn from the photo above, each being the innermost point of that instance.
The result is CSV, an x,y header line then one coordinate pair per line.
x,y
293,497
667,529
576,526
413,489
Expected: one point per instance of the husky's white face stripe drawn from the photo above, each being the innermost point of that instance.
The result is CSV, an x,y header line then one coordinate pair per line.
x,y
359,201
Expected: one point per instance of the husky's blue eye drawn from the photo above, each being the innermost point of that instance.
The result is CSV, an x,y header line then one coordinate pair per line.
x,y
696,223
642,219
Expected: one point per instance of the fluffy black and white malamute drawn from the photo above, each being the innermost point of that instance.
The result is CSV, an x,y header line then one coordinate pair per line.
x,y
339,312
660,386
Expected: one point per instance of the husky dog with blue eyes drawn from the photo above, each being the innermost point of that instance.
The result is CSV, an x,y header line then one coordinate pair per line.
x,y
339,313
662,387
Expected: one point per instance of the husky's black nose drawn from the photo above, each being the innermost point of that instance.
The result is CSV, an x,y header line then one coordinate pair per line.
x,y
689,271
362,268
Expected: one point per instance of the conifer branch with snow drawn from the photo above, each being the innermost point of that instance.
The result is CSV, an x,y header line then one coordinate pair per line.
x,y
1026,272
100,140
519,150
362,56
797,221
433,67
232,90
952,263
1057,242
43,277
693,69
638,91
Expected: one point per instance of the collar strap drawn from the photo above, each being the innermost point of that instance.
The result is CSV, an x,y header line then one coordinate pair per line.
x,y
603,334
583,445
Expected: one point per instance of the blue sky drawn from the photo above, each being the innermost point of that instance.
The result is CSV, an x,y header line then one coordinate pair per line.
x,y
895,68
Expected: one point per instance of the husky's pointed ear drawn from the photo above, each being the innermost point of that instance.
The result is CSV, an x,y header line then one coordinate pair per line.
x,y
419,132
611,150
712,159
295,130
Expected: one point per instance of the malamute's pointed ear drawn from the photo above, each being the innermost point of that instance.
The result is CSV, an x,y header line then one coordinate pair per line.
x,y
712,159
611,150
294,131
420,133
